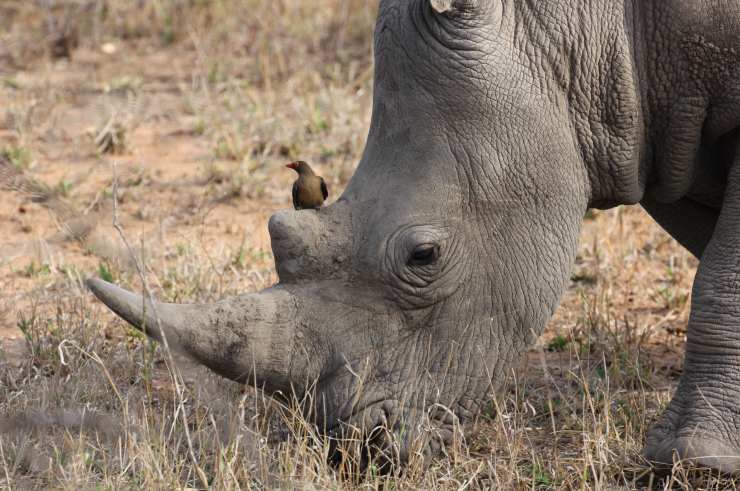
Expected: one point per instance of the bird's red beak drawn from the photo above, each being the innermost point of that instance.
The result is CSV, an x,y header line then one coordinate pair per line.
x,y
292,165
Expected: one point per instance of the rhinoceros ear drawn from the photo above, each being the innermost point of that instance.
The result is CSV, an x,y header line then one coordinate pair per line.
x,y
444,6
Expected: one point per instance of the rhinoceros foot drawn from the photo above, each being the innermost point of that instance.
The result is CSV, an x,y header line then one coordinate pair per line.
x,y
696,433
700,451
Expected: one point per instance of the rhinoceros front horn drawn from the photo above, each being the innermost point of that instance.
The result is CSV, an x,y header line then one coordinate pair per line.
x,y
249,338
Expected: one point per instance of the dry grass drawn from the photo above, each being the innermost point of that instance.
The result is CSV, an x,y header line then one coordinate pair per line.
x,y
210,98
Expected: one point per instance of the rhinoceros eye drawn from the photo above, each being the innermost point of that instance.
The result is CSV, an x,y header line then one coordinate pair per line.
x,y
424,255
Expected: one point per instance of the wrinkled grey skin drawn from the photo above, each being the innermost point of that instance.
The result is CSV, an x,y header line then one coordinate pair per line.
x,y
495,125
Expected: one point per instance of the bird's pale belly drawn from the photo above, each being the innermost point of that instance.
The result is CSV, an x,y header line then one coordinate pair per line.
x,y
310,198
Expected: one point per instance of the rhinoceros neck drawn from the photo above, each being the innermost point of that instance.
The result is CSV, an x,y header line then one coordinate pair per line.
x,y
693,78
606,98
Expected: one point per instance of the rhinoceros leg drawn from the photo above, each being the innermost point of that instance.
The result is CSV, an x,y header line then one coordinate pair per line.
x,y
702,422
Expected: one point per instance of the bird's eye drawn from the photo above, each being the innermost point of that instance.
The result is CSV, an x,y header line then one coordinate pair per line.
x,y
424,255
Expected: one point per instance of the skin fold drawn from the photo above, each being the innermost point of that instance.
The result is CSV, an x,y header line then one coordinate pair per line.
x,y
495,126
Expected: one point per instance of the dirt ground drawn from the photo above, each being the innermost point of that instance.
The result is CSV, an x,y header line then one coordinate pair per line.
x,y
194,136
170,184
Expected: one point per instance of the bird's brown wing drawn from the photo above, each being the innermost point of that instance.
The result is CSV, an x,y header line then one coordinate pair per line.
x,y
324,191
296,203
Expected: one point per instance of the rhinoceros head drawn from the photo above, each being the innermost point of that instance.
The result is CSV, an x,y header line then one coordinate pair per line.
x,y
402,304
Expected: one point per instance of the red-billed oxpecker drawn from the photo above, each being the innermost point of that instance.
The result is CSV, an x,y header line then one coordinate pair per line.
x,y
309,190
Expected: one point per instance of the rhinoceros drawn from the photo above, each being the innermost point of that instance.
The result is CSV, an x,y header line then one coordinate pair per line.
x,y
496,125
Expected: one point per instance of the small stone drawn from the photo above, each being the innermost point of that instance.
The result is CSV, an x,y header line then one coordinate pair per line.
x,y
108,48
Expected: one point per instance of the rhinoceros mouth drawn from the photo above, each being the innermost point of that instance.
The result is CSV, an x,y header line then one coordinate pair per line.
x,y
383,430
358,418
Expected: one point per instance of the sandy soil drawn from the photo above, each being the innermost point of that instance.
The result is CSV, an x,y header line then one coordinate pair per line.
x,y
167,193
